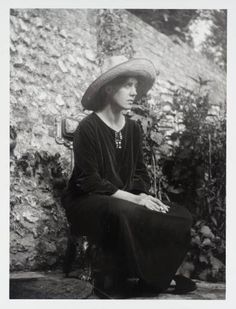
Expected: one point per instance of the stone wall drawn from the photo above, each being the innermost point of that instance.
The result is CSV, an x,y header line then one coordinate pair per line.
x,y
55,54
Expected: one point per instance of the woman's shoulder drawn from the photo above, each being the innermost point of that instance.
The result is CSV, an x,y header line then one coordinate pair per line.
x,y
88,121
87,124
133,123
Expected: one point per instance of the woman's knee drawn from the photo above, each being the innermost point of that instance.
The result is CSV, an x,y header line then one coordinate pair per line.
x,y
119,206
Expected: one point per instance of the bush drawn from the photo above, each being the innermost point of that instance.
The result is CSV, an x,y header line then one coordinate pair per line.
x,y
189,167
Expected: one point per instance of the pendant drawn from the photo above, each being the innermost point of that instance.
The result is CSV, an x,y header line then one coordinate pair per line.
x,y
118,140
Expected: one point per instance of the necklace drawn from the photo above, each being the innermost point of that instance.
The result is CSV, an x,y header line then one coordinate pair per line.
x,y
118,139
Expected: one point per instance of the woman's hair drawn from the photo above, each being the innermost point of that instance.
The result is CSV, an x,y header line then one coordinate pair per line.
x,y
102,94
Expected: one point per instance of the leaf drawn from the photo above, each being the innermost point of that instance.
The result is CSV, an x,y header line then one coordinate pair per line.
x,y
198,223
203,259
206,232
213,219
186,269
206,242
165,149
196,241
216,263
156,137
204,274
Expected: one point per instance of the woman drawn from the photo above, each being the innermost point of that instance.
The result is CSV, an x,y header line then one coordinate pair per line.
x,y
108,194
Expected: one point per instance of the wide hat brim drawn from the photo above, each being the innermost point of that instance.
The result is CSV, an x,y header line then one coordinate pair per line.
x,y
142,69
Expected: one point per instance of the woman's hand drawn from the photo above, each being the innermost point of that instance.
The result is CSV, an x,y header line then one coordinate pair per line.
x,y
143,199
152,203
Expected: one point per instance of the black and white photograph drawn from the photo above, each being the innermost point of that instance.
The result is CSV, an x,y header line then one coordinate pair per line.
x,y
117,160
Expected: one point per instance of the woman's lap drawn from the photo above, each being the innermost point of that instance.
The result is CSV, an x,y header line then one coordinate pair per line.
x,y
154,242
88,214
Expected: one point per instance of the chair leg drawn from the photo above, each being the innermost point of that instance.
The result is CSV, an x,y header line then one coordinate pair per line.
x,y
70,255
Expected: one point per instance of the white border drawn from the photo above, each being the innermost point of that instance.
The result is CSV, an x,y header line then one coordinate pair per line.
x,y
231,153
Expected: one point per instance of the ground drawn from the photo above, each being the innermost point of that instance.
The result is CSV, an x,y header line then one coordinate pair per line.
x,y
53,285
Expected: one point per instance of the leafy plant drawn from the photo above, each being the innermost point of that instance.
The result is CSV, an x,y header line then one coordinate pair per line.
x,y
189,167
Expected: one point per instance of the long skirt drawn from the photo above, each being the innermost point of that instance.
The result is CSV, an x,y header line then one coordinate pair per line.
x,y
152,244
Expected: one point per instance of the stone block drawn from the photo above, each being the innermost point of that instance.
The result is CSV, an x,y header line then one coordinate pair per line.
x,y
81,62
72,59
73,71
49,247
78,94
26,242
90,55
21,49
12,48
42,34
18,62
62,66
78,41
19,261
51,108
34,31
27,215
42,96
48,120
25,17
38,22
23,25
14,22
63,33
13,99
15,87
26,40
52,51
14,12
14,37
31,67
48,27
41,45
59,100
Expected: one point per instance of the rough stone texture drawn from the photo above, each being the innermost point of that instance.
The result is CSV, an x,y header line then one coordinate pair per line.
x,y
176,63
48,286
52,285
51,66
54,57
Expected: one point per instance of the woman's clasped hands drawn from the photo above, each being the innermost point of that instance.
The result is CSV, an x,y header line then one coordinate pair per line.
x,y
152,203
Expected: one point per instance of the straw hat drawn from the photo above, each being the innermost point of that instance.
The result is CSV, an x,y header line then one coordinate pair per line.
x,y
142,69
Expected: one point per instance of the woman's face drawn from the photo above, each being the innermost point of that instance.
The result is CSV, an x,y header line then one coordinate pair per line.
x,y
123,95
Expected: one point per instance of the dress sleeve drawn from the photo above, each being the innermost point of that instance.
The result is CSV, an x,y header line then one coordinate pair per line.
x,y
141,181
86,170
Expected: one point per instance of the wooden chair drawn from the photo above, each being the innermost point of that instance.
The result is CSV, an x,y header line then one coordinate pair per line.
x,y
65,128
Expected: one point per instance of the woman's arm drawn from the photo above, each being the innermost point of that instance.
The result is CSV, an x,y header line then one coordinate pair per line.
x,y
145,200
86,169
124,195
141,180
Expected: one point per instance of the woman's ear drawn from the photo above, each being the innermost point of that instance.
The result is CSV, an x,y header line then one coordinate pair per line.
x,y
108,89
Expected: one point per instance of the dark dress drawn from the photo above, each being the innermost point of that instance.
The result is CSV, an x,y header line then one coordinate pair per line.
x,y
147,243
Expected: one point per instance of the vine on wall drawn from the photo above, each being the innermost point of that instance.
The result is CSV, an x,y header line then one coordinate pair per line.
x,y
37,220
114,36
